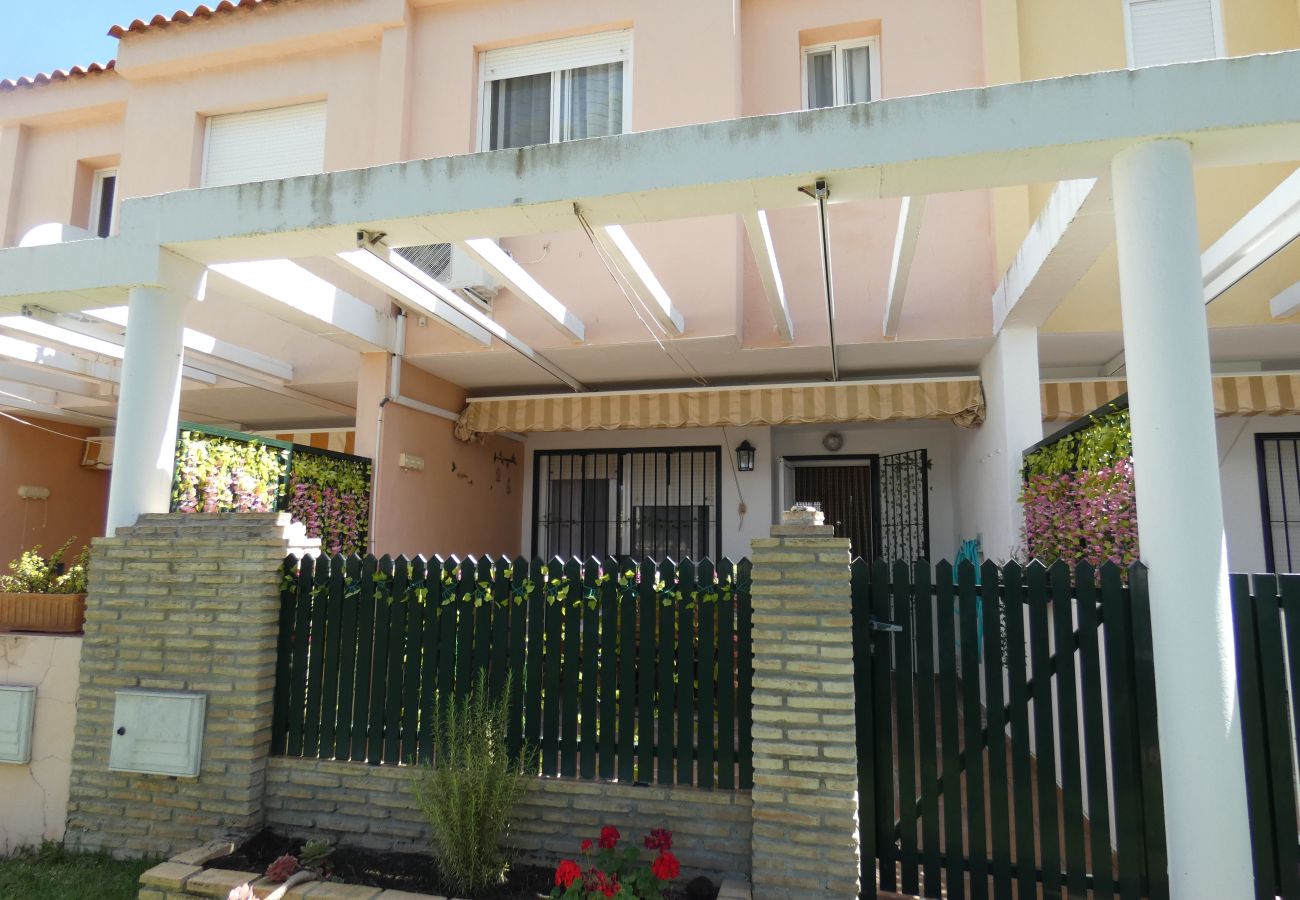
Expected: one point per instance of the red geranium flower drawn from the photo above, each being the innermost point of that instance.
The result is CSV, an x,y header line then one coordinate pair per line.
x,y
659,839
567,873
666,867
586,845
609,837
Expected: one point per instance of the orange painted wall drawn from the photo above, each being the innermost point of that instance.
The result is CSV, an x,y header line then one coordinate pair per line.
x,y
78,501
463,501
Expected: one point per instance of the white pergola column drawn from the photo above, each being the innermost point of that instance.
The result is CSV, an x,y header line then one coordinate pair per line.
x,y
148,406
1180,520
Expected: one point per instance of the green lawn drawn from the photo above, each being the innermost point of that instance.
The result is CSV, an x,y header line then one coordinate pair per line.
x,y
52,873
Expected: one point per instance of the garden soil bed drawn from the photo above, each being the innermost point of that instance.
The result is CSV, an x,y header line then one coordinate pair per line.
x,y
413,872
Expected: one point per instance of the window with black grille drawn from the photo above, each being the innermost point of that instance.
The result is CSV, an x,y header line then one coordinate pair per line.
x,y
647,502
1278,456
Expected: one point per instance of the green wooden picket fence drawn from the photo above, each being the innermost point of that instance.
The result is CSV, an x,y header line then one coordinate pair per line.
x,y
969,694
1266,622
626,669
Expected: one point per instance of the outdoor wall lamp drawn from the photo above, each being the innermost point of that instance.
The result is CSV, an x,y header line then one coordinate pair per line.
x,y
745,457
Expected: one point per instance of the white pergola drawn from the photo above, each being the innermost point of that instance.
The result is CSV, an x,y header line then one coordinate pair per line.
x,y
1122,145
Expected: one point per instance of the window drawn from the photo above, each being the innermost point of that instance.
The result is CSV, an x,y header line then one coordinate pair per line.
x,y
561,90
1278,456
841,73
264,144
103,202
1161,32
652,503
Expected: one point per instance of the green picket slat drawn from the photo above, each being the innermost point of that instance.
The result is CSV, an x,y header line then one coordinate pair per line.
x,y
365,587
518,600
551,654
483,606
645,770
667,699
902,616
1123,733
1254,738
429,651
348,641
1076,865
412,677
882,719
727,678
1013,601
379,669
397,655
609,672
448,628
1289,587
329,702
499,655
1273,675
588,703
973,752
316,660
927,738
1040,664
954,853
627,699
707,614
283,655
536,653
864,724
998,793
745,675
466,620
1094,744
1156,856
571,669
685,672
298,665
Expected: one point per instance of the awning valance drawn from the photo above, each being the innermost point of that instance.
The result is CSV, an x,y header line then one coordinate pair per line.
x,y
958,399
1273,394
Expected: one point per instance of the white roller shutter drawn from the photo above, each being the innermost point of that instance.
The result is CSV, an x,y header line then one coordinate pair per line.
x,y
264,144
564,53
1172,31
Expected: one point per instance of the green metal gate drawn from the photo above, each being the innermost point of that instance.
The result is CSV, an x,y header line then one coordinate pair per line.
x,y
1007,732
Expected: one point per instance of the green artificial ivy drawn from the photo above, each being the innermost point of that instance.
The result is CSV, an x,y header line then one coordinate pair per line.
x,y
1107,441
220,474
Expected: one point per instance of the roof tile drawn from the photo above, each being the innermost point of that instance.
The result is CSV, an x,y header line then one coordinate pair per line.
x,y
180,17
9,84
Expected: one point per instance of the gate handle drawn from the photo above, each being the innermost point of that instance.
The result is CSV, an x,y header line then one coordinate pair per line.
x,y
877,625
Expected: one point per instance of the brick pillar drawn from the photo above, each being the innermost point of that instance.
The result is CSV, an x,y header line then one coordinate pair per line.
x,y
805,752
189,603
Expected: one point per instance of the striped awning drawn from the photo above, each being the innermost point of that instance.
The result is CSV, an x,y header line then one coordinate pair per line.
x,y
1273,394
960,400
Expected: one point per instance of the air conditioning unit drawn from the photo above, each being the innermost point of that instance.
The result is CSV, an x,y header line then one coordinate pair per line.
x,y
98,454
456,269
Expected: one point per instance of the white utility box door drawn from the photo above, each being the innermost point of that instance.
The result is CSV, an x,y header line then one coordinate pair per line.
x,y
17,704
157,732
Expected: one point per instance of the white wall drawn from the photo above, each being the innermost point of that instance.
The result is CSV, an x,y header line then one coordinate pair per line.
x,y
937,438
1239,478
755,488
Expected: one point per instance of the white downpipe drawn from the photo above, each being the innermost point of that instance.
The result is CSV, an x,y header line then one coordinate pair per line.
x,y
148,407
1180,521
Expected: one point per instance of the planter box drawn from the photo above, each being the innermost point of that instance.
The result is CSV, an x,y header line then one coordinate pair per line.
x,y
50,613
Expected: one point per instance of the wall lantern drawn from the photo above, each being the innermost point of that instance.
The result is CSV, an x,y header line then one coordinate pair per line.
x,y
745,457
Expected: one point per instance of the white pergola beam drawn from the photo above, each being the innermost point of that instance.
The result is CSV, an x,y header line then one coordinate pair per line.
x,y
1073,230
38,356
290,293
1272,224
623,254
54,381
203,344
43,403
419,296
1286,303
524,285
909,231
760,244
69,361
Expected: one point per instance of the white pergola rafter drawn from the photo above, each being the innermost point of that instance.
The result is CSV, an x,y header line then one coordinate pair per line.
x,y
1253,239
769,272
909,232
44,403
84,355
614,242
52,380
524,285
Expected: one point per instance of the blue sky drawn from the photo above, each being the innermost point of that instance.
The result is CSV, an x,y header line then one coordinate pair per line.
x,y
40,35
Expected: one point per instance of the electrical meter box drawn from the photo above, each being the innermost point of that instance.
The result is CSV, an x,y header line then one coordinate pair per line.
x,y
17,704
157,732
